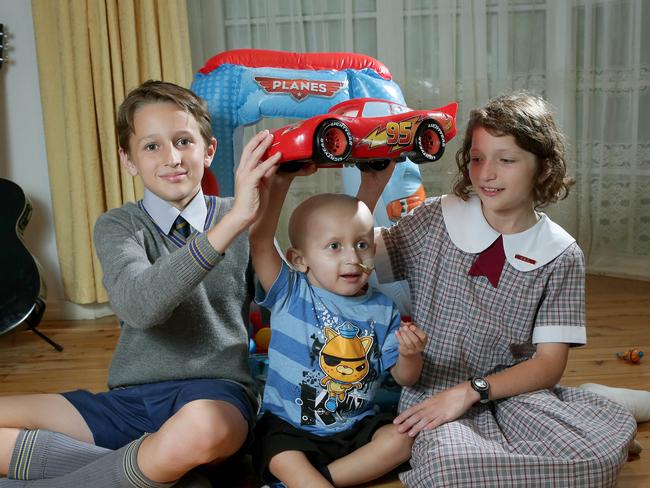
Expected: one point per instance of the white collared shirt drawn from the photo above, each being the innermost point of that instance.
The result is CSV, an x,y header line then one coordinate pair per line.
x,y
164,214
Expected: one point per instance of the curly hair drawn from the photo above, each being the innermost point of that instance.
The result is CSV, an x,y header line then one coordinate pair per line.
x,y
153,91
529,120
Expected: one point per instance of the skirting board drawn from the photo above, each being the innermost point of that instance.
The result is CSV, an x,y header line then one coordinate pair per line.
x,y
64,310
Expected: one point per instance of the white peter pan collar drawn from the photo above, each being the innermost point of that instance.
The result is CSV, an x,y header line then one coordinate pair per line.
x,y
525,251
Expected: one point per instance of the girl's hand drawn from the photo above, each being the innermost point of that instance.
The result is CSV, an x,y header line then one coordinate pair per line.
x,y
251,178
439,409
411,339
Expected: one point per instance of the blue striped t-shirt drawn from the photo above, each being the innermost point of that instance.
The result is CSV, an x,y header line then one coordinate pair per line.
x,y
326,353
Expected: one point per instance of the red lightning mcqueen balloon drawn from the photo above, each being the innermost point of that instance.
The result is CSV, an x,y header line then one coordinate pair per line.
x,y
368,132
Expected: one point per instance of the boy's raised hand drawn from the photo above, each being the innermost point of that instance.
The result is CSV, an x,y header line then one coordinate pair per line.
x,y
250,181
252,176
411,339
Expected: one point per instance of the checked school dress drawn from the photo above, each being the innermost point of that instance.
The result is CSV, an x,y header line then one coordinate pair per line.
x,y
558,437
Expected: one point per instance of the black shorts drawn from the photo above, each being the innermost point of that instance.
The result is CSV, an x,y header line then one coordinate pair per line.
x,y
273,436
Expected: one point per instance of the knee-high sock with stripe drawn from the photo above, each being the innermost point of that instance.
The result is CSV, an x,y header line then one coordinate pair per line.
x,y
41,454
117,469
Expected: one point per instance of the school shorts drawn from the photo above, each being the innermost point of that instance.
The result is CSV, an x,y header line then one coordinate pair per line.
x,y
273,436
121,415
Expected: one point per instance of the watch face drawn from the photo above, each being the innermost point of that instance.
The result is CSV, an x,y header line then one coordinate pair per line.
x,y
480,383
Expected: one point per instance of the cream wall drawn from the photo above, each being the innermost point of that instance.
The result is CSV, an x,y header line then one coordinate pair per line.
x,y
22,151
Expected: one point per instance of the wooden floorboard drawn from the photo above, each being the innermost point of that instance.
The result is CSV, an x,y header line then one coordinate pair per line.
x,y
618,318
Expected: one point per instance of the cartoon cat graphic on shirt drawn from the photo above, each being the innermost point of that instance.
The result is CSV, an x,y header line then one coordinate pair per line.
x,y
344,361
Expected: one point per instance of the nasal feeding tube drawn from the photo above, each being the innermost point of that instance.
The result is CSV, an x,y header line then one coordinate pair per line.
x,y
367,266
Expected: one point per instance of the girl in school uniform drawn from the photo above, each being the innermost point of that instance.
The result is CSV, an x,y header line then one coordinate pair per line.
x,y
499,288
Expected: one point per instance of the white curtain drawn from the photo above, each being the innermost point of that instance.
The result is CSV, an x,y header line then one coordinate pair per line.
x,y
589,58
612,137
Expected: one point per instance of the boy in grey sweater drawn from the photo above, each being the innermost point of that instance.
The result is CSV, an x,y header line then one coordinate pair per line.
x,y
177,270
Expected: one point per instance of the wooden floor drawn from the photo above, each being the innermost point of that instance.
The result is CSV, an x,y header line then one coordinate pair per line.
x,y
618,317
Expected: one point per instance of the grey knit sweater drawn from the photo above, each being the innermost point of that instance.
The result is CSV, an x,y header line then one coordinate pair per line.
x,y
182,310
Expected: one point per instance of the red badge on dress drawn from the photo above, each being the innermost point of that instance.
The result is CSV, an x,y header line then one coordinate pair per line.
x,y
490,262
525,259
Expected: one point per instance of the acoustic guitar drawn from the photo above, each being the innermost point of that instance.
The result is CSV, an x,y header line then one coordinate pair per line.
x,y
22,289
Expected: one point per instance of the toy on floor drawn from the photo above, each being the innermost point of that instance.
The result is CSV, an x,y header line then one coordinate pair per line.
x,y
631,356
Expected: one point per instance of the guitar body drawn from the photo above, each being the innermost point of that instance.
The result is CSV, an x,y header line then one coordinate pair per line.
x,y
22,290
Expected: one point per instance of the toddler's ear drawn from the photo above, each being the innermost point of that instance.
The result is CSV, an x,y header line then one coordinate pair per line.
x,y
297,260
127,163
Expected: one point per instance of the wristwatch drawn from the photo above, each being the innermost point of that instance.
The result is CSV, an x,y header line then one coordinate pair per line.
x,y
481,385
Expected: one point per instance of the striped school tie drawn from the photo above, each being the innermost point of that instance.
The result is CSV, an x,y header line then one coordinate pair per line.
x,y
182,227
